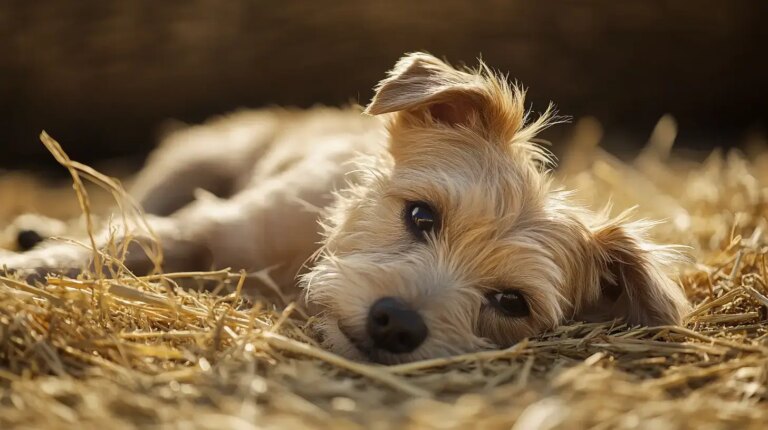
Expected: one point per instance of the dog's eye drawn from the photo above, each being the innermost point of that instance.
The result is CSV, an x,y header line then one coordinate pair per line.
x,y
420,218
510,302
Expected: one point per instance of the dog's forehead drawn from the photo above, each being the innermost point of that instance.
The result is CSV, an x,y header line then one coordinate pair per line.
x,y
470,181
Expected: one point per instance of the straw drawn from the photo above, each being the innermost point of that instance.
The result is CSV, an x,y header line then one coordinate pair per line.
x,y
117,350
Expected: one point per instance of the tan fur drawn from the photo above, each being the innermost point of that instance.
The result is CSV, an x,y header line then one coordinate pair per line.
x,y
457,139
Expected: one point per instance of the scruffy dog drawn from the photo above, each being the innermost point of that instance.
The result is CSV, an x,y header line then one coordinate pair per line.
x,y
447,234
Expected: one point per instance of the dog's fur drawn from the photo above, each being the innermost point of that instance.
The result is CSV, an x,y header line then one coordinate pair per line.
x,y
457,139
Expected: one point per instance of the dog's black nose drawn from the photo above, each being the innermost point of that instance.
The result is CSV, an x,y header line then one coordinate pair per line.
x,y
394,327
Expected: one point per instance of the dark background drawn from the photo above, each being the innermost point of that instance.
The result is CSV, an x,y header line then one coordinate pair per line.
x,y
102,76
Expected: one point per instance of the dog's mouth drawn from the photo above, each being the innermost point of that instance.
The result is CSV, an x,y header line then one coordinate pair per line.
x,y
369,352
363,347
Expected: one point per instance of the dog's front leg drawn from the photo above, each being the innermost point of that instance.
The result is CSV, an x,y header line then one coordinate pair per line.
x,y
260,228
117,248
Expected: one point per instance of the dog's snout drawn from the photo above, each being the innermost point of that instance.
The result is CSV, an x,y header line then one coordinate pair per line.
x,y
395,327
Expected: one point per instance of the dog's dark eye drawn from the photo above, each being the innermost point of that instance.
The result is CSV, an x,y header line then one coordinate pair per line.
x,y
420,218
510,302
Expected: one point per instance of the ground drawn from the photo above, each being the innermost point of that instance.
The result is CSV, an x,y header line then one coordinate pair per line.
x,y
139,352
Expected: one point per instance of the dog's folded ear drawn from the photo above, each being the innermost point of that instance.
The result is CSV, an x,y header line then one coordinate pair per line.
x,y
424,87
633,285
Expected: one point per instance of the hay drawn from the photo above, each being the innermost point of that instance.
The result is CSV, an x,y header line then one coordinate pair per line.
x,y
127,351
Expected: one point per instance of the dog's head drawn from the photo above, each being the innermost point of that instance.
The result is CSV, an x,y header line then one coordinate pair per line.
x,y
454,240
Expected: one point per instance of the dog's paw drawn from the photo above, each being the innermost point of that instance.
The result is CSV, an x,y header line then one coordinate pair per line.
x,y
29,230
21,267
33,268
37,275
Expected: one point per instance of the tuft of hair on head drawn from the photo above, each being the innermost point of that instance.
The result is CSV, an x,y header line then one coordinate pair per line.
x,y
423,90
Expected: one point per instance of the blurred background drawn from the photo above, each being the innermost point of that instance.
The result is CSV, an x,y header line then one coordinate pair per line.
x,y
105,77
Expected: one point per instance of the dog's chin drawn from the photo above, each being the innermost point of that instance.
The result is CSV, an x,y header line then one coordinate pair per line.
x,y
333,339
343,342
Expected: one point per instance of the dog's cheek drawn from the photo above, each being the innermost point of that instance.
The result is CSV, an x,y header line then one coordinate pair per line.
x,y
343,287
503,331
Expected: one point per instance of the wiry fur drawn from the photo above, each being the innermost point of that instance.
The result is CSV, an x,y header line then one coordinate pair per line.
x,y
457,139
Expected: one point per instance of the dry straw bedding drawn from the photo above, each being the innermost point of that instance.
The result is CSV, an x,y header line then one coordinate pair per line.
x,y
123,351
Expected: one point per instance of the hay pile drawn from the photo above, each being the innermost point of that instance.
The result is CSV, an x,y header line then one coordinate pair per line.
x,y
140,352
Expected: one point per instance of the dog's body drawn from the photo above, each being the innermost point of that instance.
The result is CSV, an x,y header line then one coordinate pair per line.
x,y
446,235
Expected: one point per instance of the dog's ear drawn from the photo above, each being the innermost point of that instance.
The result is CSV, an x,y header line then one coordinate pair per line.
x,y
632,282
421,85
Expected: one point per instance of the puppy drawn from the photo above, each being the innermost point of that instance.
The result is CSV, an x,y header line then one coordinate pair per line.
x,y
446,236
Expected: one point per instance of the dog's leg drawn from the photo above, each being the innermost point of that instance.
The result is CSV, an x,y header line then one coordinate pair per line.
x,y
215,156
269,225
133,250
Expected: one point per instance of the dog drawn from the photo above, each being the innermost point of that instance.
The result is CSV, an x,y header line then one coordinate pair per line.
x,y
428,226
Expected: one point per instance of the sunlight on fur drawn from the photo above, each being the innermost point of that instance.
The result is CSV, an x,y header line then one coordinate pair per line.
x,y
428,228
